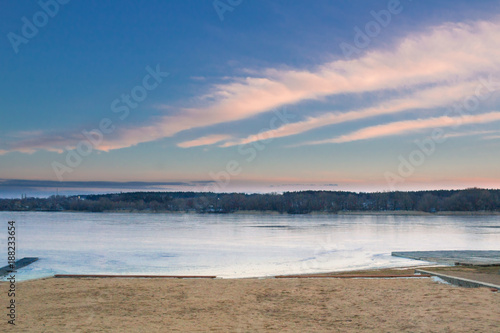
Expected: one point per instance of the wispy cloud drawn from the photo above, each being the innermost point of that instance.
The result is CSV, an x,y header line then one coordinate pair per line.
x,y
25,183
492,137
452,52
204,141
471,133
410,126
11,188
423,99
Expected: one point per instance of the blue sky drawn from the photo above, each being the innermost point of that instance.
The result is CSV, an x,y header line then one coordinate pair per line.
x,y
250,95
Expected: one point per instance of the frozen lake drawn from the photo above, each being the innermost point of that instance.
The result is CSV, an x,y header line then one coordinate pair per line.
x,y
237,245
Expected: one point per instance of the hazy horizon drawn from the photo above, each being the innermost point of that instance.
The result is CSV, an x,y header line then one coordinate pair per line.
x,y
12,189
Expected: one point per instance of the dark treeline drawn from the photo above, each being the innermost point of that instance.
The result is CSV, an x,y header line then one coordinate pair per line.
x,y
469,200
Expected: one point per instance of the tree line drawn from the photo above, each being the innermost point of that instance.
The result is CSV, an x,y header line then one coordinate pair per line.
x,y
302,202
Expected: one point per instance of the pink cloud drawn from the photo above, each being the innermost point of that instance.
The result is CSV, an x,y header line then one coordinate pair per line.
x,y
423,99
204,141
440,56
409,126
452,52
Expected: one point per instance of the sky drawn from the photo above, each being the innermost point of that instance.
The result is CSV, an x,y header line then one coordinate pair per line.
x,y
248,96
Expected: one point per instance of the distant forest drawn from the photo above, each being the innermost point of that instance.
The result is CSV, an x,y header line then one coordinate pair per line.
x,y
469,200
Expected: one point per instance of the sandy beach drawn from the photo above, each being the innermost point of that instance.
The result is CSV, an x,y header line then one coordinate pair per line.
x,y
252,305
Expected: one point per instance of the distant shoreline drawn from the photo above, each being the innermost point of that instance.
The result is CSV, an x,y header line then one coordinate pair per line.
x,y
270,212
443,202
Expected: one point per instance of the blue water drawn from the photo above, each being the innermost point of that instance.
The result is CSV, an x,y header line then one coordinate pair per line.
x,y
233,245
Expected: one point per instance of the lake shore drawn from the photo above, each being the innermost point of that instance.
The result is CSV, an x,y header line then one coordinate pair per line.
x,y
264,305
275,213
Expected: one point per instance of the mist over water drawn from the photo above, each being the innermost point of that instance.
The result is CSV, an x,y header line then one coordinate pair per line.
x,y
233,245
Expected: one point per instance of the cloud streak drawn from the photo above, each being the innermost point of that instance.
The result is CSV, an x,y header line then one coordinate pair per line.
x,y
410,126
25,183
423,99
441,56
204,141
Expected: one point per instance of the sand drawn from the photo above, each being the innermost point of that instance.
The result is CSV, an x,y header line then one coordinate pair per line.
x,y
251,305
